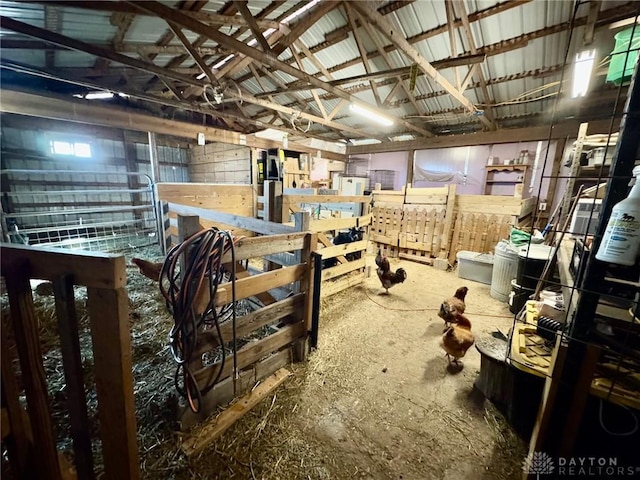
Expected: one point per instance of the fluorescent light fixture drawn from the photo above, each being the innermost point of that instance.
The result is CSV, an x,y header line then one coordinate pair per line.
x,y
403,138
98,95
359,109
364,141
297,13
222,62
582,73
624,23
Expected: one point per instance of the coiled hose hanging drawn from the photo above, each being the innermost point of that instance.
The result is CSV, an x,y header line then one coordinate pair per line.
x,y
182,290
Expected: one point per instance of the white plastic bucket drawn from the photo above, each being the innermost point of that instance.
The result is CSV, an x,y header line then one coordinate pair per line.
x,y
505,268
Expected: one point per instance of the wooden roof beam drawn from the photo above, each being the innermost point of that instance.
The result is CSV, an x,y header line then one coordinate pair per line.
x,y
73,44
362,50
368,11
210,18
90,113
282,38
452,39
193,52
339,34
242,7
297,113
387,59
187,22
592,18
402,72
488,115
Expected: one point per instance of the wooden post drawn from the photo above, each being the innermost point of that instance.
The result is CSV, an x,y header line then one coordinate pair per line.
x,y
549,392
25,329
575,167
73,375
302,222
448,221
272,209
108,313
273,201
132,167
302,219
555,171
410,158
187,226
155,178
254,180
20,438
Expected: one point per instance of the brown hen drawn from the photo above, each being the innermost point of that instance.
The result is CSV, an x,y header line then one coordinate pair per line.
x,y
148,269
451,307
457,339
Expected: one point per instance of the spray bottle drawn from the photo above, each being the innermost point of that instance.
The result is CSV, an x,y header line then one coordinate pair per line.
x,y
622,236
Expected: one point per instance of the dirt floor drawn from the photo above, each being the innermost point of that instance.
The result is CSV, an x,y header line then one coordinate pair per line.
x,y
375,400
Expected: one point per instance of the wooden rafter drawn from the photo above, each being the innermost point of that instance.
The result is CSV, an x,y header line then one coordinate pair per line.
x,y
389,62
336,109
367,10
312,58
210,18
142,48
73,44
402,72
297,113
362,50
452,38
282,38
243,8
341,33
188,22
323,112
592,18
538,73
462,11
193,52
392,93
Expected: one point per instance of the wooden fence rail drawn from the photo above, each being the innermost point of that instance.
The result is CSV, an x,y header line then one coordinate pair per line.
x,y
347,271
33,452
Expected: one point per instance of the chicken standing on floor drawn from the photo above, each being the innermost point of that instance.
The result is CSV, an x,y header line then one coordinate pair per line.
x,y
148,269
457,339
453,306
386,276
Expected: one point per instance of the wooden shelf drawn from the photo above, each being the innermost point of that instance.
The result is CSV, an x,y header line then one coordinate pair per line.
x,y
508,171
507,168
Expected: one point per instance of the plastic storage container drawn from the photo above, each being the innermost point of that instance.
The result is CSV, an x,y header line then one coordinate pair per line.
x,y
505,268
475,266
531,261
617,72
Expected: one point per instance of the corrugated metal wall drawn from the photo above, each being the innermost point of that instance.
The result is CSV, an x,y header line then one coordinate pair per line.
x,y
103,203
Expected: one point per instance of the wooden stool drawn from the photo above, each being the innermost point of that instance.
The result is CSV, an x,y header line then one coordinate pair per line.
x,y
495,379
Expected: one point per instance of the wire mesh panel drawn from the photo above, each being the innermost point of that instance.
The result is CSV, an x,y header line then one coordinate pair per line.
x,y
386,178
82,210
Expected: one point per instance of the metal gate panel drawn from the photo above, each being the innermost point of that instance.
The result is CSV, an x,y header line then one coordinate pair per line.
x,y
111,211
